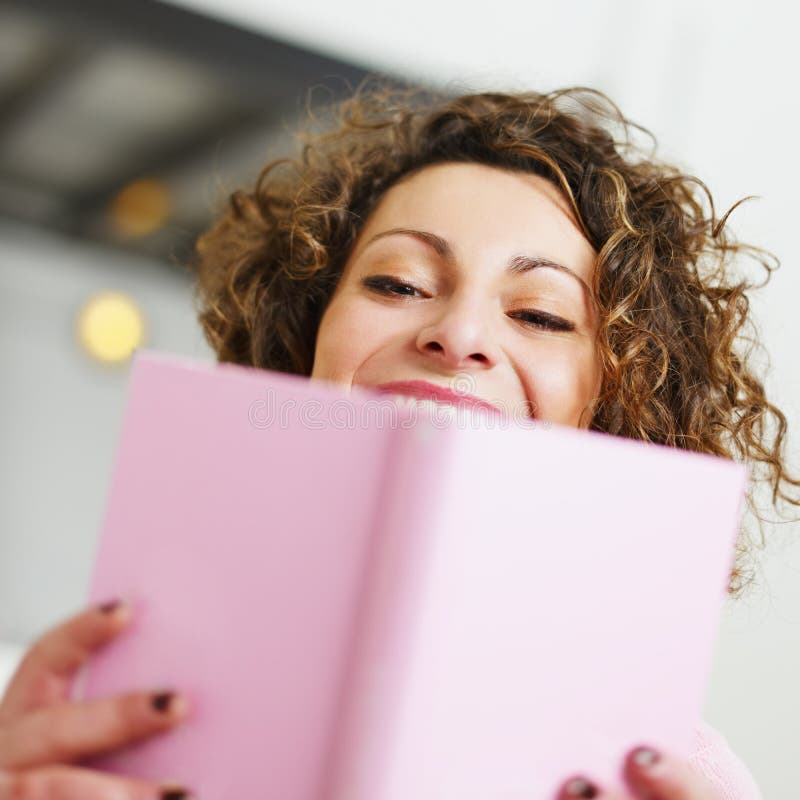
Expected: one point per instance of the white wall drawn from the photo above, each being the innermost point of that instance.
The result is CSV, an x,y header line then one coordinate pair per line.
x,y
61,413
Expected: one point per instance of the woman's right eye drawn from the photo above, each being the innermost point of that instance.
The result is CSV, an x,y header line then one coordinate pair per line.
x,y
388,285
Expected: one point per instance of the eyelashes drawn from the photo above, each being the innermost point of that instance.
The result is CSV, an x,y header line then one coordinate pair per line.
x,y
388,285
541,320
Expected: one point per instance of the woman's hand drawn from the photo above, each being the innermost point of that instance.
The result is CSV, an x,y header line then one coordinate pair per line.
x,y
650,776
42,734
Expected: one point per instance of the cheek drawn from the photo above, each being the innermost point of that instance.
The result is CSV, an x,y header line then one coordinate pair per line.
x,y
564,383
332,351
345,339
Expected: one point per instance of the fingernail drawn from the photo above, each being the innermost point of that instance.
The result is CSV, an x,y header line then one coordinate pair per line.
x,y
118,608
644,757
175,793
162,701
170,704
579,787
110,607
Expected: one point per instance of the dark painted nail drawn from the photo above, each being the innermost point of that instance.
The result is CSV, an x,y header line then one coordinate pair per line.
x,y
162,701
175,794
579,787
110,606
644,757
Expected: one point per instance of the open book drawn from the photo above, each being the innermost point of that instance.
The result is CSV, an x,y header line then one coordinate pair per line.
x,y
361,607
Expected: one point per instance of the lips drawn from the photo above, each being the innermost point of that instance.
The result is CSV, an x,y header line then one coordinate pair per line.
x,y
424,390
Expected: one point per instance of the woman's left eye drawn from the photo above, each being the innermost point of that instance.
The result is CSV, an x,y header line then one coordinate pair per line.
x,y
542,320
388,285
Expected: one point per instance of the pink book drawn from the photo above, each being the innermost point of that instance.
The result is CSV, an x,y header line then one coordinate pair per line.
x,y
364,604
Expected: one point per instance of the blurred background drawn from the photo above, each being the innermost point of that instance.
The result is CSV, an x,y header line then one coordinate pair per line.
x,y
124,125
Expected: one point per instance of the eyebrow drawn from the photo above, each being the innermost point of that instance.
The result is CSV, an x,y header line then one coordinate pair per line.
x,y
517,265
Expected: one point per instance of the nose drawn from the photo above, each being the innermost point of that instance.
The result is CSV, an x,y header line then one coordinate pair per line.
x,y
459,338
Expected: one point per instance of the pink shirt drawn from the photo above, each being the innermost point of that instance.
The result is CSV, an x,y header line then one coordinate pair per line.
x,y
713,758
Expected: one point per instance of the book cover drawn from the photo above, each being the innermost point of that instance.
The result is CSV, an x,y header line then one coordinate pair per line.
x,y
363,603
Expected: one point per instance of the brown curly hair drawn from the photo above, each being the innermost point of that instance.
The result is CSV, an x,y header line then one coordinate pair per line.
x,y
673,316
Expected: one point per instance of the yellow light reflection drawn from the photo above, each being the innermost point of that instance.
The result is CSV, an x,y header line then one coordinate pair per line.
x,y
140,208
110,326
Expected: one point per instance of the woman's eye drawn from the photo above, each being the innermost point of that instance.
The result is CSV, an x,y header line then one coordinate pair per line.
x,y
535,319
388,285
539,319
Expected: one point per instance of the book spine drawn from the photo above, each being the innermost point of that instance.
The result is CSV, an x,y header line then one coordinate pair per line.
x,y
365,730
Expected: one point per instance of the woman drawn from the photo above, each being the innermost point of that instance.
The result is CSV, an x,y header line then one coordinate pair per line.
x,y
506,239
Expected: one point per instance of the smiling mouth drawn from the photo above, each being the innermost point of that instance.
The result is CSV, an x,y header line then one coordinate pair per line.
x,y
415,393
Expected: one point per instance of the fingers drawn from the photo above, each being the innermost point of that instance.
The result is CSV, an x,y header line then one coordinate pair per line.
x,y
67,732
44,675
649,776
657,776
72,783
39,728
580,788
577,787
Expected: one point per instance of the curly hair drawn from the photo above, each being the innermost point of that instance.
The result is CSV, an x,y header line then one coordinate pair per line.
x,y
673,315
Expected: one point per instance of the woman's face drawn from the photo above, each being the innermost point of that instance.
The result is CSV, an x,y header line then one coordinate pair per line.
x,y
471,278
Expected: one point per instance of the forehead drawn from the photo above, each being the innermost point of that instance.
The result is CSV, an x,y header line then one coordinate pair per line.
x,y
484,213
